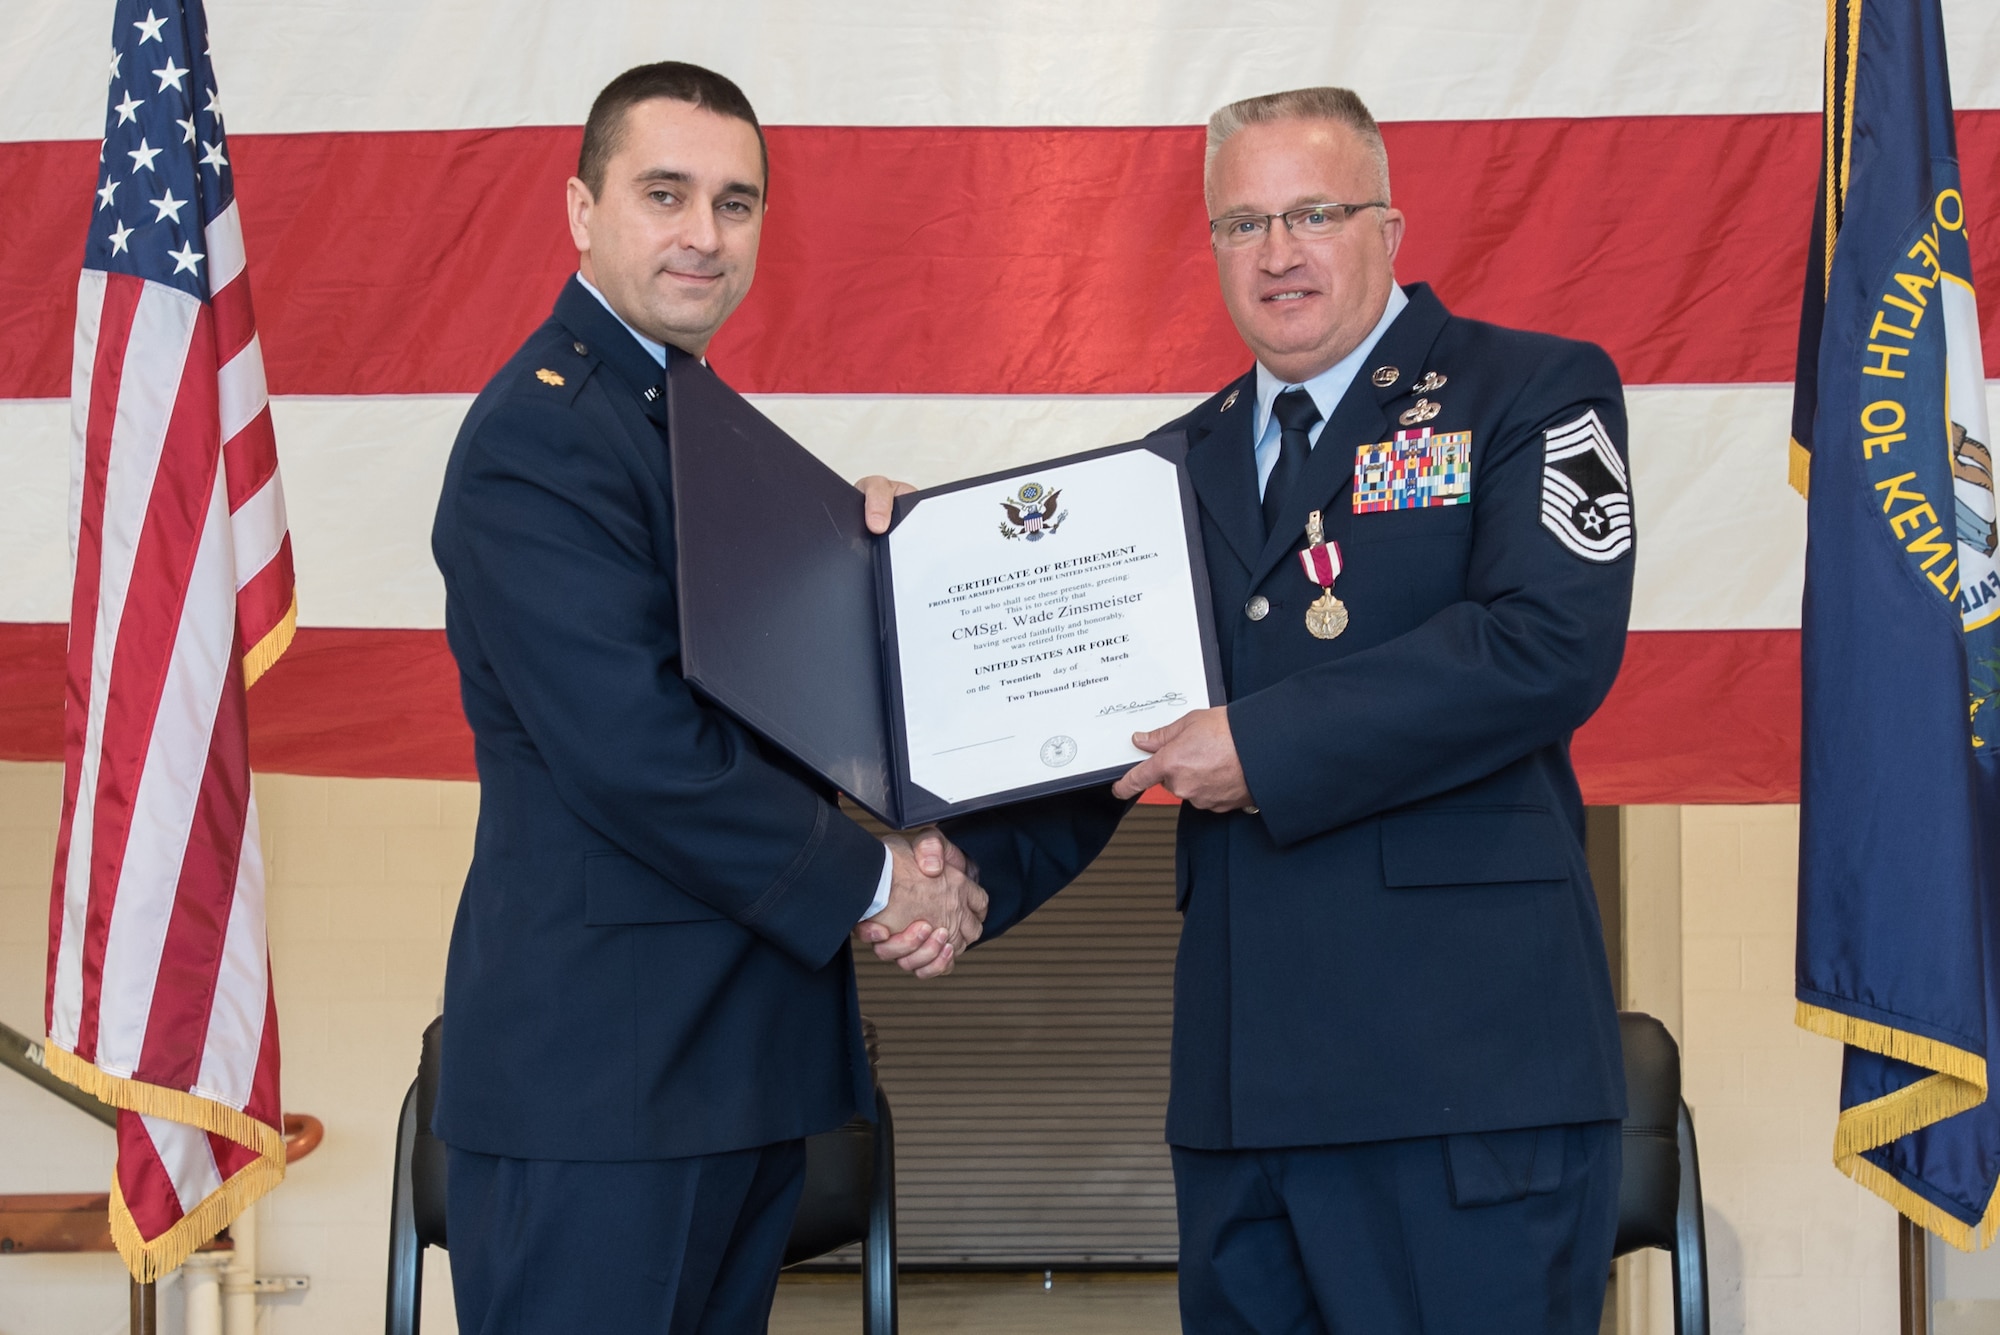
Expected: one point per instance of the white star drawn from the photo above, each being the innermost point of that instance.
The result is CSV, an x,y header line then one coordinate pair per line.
x,y
142,157
171,76
104,200
168,207
128,110
187,130
118,239
1593,520
116,56
149,29
214,107
212,157
185,257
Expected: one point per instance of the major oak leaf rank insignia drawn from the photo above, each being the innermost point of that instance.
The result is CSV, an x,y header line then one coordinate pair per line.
x,y
1586,493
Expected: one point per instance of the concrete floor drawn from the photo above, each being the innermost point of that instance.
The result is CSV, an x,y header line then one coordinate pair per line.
x,y
1009,1304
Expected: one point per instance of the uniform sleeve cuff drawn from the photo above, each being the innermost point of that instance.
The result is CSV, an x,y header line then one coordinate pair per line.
x,y
881,900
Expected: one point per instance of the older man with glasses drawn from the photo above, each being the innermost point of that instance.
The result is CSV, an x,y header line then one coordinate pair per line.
x,y
1396,1074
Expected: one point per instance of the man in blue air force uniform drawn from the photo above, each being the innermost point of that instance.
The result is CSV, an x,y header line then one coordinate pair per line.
x,y
650,997
1396,1071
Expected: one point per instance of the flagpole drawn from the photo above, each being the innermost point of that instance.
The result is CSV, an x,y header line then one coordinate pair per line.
x,y
1913,1275
145,1309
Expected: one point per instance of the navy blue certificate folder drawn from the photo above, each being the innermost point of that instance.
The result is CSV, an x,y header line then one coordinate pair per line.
x,y
785,604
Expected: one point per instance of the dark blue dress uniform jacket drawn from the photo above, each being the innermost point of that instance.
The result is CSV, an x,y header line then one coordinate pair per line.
x,y
1403,941
651,955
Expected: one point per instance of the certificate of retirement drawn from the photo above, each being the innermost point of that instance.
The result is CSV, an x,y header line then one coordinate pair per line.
x,y
1041,619
1002,641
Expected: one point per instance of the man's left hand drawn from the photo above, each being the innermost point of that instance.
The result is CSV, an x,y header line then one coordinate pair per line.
x,y
1194,757
880,495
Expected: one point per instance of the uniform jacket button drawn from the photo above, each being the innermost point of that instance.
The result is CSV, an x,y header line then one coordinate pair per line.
x,y
1257,608
580,349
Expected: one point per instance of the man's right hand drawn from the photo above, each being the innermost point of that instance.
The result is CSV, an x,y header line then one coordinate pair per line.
x,y
936,906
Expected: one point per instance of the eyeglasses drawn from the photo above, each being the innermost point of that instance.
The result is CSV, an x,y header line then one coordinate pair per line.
x,y
1312,222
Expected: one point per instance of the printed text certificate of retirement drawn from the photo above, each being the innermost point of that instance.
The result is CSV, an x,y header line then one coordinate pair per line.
x,y
1028,650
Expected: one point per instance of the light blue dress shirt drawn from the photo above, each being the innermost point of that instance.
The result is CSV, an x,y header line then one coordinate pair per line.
x,y
658,352
1327,389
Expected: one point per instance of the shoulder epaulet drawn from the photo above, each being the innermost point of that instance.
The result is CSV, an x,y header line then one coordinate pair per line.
x,y
555,368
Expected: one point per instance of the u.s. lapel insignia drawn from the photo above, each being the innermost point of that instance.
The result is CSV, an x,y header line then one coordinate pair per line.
x,y
1423,411
1229,402
1430,384
548,377
1384,376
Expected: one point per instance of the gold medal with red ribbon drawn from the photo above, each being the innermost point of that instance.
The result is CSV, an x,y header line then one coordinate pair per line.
x,y
1327,616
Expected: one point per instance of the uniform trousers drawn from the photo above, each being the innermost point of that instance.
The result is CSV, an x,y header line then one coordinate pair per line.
x,y
1508,1233
651,1247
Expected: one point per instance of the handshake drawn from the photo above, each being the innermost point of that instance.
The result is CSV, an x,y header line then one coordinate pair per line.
x,y
936,907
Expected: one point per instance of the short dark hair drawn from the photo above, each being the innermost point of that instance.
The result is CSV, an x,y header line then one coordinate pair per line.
x,y
677,81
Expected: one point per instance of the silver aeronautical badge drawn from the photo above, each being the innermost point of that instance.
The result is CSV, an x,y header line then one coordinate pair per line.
x,y
1423,411
1430,384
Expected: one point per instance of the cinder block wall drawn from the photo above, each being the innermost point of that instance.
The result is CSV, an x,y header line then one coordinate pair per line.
x,y
364,879
1794,1247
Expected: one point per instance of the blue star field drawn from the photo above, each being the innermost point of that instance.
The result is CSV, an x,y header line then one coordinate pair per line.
x,y
164,173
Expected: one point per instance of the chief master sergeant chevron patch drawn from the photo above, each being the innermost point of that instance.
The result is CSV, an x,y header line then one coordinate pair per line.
x,y
1586,496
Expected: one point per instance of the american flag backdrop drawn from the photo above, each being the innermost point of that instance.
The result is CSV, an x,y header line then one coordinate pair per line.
x,y
159,990
986,246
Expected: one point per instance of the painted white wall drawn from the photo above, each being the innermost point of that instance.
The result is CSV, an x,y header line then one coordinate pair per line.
x,y
1794,1247
364,878
1965,1290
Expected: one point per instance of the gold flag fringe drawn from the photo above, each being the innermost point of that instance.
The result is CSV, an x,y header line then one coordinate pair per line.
x,y
262,655
1801,469
1957,1084
151,1261
1921,1212
146,1260
1904,1046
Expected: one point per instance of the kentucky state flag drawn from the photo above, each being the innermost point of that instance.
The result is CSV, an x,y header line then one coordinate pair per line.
x,y
1899,925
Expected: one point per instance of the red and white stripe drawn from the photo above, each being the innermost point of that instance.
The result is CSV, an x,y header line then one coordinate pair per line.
x,y
1321,563
985,247
159,988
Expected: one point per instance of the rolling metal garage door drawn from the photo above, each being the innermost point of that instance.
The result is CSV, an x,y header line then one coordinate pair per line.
x,y
1029,1088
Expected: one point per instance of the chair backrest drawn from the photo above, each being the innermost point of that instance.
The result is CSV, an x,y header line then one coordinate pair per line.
x,y
833,1210
1649,1188
427,1152
840,1185
849,1196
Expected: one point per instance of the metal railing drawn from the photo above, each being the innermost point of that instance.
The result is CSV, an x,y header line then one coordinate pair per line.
x,y
23,1055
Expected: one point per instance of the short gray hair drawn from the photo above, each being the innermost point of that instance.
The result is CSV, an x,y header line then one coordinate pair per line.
x,y
1339,105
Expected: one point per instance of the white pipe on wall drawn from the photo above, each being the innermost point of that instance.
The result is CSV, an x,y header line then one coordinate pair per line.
x,y
201,1292
239,1281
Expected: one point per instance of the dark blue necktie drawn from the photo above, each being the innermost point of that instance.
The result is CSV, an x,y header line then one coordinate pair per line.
x,y
1296,412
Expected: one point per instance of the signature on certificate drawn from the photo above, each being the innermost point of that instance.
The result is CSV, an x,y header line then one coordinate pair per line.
x,y
1136,706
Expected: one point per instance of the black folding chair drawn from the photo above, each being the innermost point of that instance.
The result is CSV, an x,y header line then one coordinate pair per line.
x,y
850,1196
1659,1194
